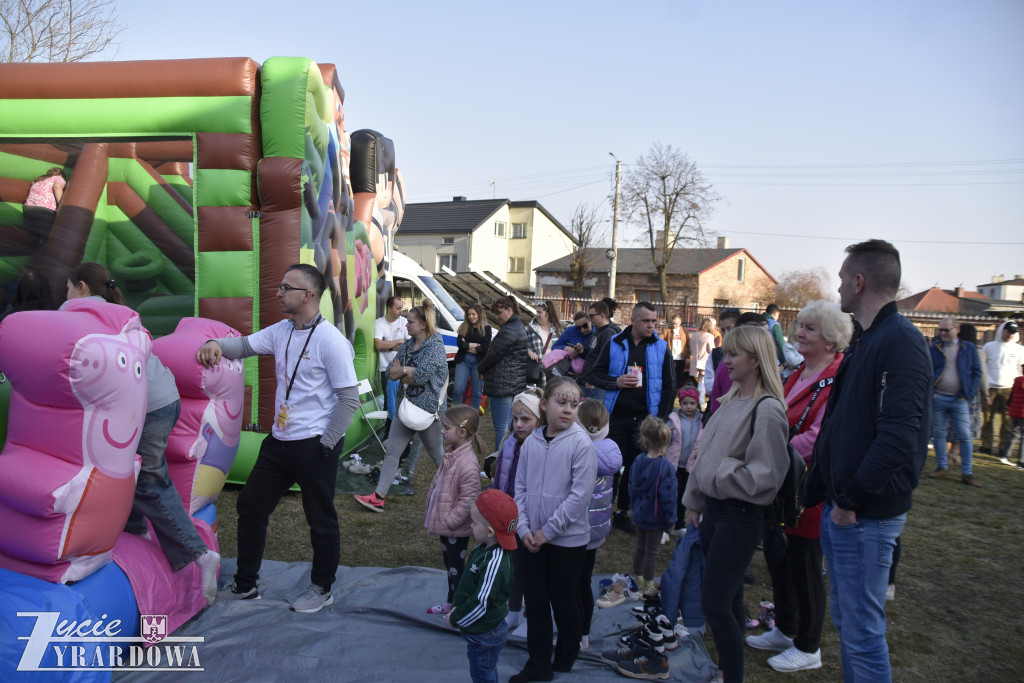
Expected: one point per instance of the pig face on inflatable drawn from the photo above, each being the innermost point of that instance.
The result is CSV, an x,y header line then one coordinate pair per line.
x,y
77,408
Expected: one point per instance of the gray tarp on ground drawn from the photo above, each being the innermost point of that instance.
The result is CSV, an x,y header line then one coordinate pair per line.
x,y
376,630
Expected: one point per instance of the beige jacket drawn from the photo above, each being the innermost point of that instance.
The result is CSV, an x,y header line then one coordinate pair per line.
x,y
731,464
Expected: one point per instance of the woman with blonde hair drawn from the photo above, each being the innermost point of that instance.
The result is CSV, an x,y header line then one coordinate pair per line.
x,y
822,333
741,462
474,336
702,343
422,367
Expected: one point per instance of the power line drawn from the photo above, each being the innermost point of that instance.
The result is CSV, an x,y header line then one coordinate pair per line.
x,y
834,237
898,164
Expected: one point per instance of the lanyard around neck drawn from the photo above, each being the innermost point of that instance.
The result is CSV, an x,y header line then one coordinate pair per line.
x,y
295,372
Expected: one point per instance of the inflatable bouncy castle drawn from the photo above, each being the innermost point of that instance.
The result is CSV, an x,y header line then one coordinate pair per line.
x,y
196,183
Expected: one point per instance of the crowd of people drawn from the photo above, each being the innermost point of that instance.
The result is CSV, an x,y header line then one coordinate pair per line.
x,y
597,427
702,424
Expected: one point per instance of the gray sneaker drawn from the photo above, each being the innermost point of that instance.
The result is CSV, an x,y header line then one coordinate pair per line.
x,y
313,600
231,592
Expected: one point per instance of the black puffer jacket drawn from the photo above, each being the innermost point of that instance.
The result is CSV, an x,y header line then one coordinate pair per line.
x,y
504,366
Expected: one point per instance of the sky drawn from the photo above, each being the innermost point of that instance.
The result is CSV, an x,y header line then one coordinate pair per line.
x,y
820,124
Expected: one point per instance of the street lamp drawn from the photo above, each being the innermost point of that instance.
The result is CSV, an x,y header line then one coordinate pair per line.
x,y
613,253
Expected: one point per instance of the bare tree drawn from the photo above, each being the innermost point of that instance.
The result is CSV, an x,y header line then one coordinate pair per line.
x,y
799,287
56,30
669,196
586,232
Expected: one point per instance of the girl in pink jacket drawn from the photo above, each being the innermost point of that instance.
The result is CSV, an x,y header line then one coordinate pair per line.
x,y
452,492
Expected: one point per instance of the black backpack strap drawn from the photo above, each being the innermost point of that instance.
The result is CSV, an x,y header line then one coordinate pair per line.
x,y
753,416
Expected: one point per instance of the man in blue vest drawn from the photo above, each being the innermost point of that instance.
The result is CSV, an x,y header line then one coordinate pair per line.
x,y
635,369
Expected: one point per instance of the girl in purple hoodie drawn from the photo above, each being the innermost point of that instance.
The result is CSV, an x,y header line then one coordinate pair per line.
x,y
593,417
554,484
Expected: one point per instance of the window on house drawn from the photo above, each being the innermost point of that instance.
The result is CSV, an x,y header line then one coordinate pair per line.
x,y
447,261
499,228
519,231
447,240
741,269
721,303
649,295
516,264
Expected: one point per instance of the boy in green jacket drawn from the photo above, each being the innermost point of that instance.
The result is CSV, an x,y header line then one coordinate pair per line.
x,y
481,600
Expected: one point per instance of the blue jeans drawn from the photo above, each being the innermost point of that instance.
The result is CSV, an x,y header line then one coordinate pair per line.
x,y
859,557
501,416
945,408
483,651
595,393
157,500
466,372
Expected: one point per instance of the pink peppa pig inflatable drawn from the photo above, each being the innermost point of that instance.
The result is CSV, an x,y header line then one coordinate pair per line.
x,y
77,407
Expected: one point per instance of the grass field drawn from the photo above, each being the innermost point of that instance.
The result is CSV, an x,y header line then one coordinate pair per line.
x,y
957,616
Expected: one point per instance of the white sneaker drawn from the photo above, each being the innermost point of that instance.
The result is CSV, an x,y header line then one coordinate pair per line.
x,y
795,660
585,643
771,640
890,592
1006,461
209,565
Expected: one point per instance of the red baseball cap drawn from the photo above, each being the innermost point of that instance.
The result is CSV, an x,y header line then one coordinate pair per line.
x,y
501,513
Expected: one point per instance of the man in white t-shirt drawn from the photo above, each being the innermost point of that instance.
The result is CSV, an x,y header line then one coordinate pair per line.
x,y
1003,359
389,333
316,397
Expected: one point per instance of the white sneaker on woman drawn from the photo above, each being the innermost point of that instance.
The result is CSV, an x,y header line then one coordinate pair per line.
x,y
795,660
771,640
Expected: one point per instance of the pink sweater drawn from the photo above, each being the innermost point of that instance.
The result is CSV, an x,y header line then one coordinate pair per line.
x,y
452,492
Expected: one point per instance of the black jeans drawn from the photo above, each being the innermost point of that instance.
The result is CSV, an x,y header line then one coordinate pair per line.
x,y
515,593
551,578
586,592
625,431
730,531
279,465
799,592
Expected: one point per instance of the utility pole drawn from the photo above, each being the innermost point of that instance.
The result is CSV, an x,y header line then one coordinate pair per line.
x,y
615,227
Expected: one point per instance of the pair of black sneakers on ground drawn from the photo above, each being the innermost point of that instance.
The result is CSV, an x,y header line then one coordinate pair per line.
x,y
641,654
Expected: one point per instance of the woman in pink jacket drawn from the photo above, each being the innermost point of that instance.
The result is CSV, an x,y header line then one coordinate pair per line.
x,y
452,492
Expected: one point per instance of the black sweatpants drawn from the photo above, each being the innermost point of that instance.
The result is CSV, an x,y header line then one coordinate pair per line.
x,y
279,465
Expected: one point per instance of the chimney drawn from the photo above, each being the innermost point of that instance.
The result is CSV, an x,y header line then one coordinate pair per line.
x,y
723,242
458,199
959,291
996,279
1018,277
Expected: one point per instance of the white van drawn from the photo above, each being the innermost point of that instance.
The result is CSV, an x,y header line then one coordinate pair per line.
x,y
414,284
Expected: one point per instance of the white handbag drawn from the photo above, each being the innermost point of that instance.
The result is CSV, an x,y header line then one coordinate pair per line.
x,y
417,419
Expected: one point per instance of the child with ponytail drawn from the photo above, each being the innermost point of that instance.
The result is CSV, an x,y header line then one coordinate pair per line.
x,y
452,492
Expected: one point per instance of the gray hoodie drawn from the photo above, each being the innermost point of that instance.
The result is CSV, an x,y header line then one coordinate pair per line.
x,y
554,483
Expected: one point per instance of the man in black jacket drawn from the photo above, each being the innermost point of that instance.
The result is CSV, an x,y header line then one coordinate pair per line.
x,y
869,453
604,329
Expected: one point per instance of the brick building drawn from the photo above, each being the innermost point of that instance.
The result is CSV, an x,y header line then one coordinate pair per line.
x,y
704,278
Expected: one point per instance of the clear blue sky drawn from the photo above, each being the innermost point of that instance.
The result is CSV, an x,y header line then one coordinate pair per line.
x,y
820,123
